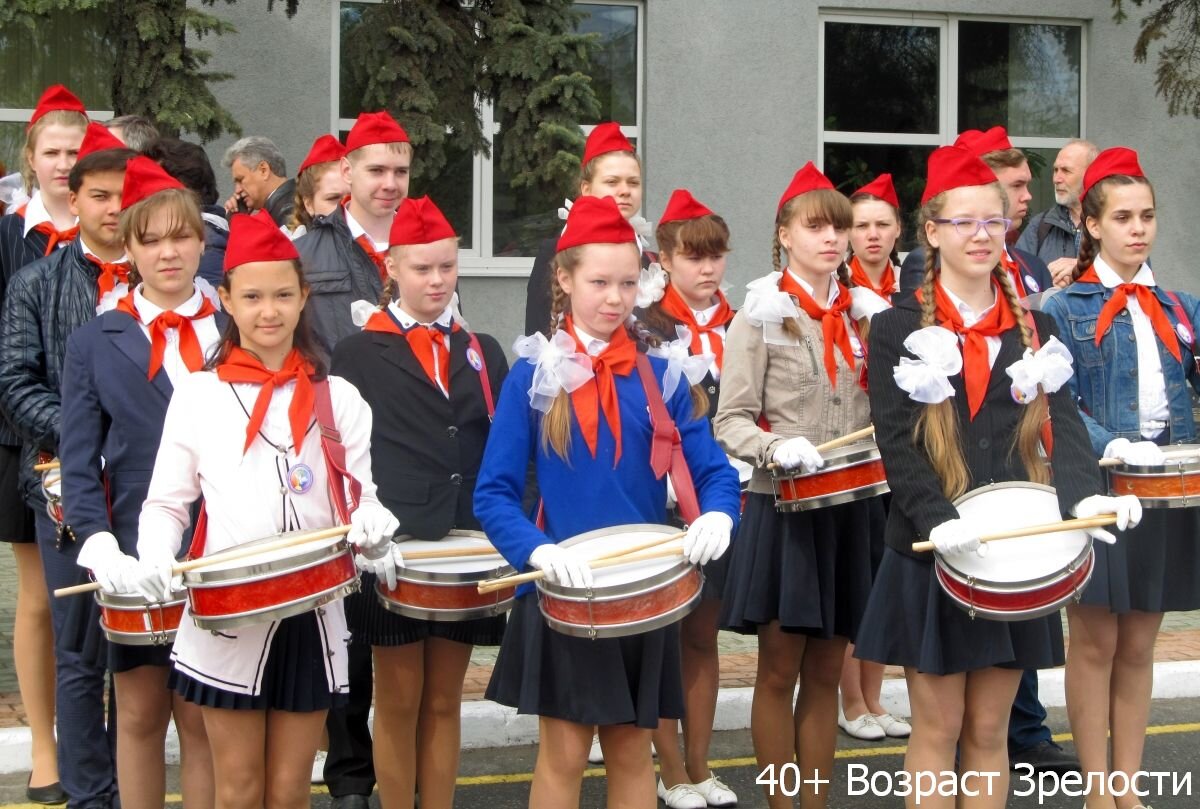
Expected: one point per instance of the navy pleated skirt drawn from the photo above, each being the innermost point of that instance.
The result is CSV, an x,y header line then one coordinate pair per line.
x,y
375,625
1152,568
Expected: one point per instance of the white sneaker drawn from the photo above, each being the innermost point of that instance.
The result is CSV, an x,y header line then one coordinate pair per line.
x,y
893,726
318,767
681,796
595,755
864,727
715,792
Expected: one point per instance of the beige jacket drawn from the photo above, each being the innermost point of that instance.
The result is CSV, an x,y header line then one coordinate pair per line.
x,y
788,386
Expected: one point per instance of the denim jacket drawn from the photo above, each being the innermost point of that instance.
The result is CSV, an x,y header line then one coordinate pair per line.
x,y
1105,383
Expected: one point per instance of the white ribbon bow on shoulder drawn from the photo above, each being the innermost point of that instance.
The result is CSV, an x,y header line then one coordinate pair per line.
x,y
652,284
557,367
361,311
680,362
1050,366
927,378
766,303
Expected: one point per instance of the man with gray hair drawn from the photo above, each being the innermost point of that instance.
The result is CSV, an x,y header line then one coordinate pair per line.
x,y
260,179
1053,235
135,131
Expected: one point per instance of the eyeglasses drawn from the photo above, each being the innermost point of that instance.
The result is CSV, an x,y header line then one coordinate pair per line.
x,y
968,227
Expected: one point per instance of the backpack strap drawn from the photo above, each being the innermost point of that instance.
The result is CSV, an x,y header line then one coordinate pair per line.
x,y
1185,322
666,449
335,456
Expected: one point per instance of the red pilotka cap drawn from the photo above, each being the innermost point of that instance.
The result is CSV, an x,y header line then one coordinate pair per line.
x,y
605,138
682,206
419,221
595,220
953,167
882,188
144,177
980,143
55,98
1117,160
97,138
808,178
325,149
256,237
372,128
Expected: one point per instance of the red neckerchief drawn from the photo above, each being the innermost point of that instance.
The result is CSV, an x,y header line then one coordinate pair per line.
x,y
977,372
421,340
674,305
600,393
189,343
241,366
54,236
377,258
1014,273
860,278
833,321
1147,300
111,274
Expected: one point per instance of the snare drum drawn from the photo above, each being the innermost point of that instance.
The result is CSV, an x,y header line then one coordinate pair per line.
x,y
52,491
852,472
625,599
134,621
445,589
272,585
1175,483
1019,579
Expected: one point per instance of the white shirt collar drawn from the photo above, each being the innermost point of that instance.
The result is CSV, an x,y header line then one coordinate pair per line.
x,y
833,287
594,346
36,213
147,310
1108,276
969,316
704,315
87,251
357,230
407,321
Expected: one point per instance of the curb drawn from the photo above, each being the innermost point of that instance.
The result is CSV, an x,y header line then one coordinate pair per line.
x,y
486,724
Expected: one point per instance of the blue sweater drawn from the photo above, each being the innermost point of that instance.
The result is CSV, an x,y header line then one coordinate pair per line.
x,y
585,493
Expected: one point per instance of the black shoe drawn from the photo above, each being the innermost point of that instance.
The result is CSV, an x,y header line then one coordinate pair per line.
x,y
1045,756
351,801
49,795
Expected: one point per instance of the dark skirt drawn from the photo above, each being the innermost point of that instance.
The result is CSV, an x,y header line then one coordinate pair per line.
x,y
16,520
809,570
293,680
608,681
911,622
1152,568
126,657
375,625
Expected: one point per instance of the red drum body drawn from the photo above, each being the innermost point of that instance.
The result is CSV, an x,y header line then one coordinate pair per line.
x,y
1173,484
853,472
272,585
52,491
134,621
1018,579
625,599
446,589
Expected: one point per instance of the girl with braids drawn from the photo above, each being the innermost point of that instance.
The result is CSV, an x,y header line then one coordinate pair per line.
x,y
693,242
947,420
320,187
577,406
799,580
430,384
1133,341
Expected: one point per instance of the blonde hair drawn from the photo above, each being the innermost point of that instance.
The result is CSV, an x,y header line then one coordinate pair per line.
x,y
821,206
60,117
306,189
937,427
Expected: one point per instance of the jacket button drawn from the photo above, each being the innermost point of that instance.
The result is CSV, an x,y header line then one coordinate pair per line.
x,y
456,478
452,431
836,400
984,443
1133,371
712,389
1133,405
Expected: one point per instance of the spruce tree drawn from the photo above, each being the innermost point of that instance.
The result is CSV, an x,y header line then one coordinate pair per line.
x,y
1175,26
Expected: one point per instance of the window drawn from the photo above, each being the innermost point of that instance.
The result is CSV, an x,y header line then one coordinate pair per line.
x,y
71,49
894,89
501,228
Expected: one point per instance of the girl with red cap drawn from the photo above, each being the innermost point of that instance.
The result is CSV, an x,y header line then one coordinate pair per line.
x,y
320,187
960,392
577,406
430,383
799,581
120,372
1133,341
269,407
686,309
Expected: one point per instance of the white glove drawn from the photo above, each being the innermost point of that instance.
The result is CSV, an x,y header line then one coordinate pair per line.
x,y
562,565
1140,453
112,569
154,578
385,566
1127,508
708,537
796,452
371,530
955,536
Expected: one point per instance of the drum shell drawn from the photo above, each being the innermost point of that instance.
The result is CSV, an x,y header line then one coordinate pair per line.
x,y
52,491
853,472
433,595
133,621
1173,484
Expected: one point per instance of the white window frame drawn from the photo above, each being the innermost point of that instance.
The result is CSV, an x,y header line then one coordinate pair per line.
x,y
478,259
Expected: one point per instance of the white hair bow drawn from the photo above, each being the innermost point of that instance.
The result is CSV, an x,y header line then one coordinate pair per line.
x,y
680,362
110,299
766,302
926,379
652,283
642,227
12,190
557,366
208,291
361,311
1050,366
866,303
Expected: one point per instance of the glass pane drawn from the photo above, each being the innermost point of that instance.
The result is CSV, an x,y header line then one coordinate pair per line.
x,y
69,48
614,64
451,190
349,91
851,166
523,217
12,141
1025,77
1041,166
881,78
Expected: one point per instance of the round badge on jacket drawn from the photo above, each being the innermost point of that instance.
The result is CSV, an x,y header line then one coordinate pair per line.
x,y
1032,284
300,478
474,359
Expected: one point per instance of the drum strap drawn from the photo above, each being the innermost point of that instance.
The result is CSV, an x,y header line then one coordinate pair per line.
x,y
335,455
1047,432
666,449
484,382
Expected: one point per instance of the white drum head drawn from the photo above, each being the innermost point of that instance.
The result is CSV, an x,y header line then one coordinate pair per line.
x,y
611,540
459,540
279,554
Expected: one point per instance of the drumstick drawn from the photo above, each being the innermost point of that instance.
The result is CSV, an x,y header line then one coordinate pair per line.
x,y
505,582
1049,528
225,556
641,546
848,438
42,467
1167,456
447,553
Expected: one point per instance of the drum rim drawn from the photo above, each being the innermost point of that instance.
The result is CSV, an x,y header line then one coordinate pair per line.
x,y
446,615
1167,467
618,591
247,571
631,628
276,612
439,578
1009,587
135,601
851,455
659,578
1027,614
837,499
150,638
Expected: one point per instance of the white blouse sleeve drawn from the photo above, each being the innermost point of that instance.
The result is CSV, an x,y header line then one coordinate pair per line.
x,y
353,417
175,484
